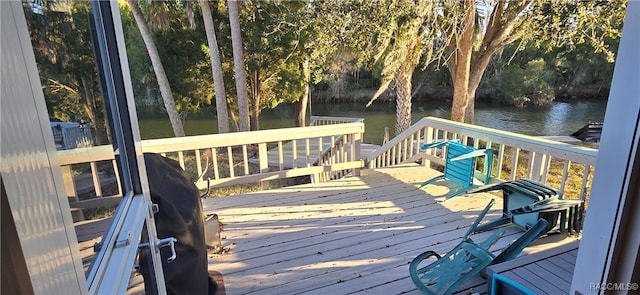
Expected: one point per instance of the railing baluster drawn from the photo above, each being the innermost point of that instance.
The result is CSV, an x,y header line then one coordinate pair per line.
x,y
117,176
263,158
405,151
198,164
565,174
514,164
280,156
500,160
585,180
70,189
320,147
181,159
230,158
245,159
545,168
307,152
96,179
214,160
412,145
295,153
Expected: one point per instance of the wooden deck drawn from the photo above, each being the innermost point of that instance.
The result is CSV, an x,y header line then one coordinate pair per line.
x,y
354,235
547,272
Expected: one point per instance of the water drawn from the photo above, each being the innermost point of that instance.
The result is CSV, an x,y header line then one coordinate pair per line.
x,y
560,118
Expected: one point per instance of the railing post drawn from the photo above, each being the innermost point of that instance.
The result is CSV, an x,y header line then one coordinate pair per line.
x,y
428,138
70,189
355,150
96,179
264,163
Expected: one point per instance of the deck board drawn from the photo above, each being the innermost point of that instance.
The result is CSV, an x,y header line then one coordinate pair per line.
x,y
348,236
546,272
355,235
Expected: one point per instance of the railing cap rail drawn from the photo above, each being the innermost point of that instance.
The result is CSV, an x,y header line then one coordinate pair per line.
x,y
105,152
341,119
535,144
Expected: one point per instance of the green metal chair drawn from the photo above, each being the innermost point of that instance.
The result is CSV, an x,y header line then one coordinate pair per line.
x,y
449,271
460,165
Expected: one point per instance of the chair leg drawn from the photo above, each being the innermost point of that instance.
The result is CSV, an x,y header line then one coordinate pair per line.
x,y
504,220
431,180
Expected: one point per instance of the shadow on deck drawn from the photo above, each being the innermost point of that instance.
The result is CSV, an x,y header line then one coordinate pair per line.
x,y
353,235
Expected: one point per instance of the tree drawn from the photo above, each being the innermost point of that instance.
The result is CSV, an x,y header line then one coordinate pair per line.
x,y
63,49
238,63
275,34
408,37
474,40
216,68
393,36
161,76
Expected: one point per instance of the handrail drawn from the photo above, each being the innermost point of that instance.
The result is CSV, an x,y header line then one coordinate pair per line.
x,y
235,158
513,151
340,150
331,151
327,120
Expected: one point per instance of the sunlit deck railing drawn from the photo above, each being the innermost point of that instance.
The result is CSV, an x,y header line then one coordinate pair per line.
x,y
326,152
226,159
566,167
325,120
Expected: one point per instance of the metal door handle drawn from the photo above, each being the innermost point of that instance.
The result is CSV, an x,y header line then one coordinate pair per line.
x,y
166,242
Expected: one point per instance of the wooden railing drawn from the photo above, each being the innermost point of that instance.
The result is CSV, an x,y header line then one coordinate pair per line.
x,y
226,159
344,149
325,120
327,152
335,150
566,167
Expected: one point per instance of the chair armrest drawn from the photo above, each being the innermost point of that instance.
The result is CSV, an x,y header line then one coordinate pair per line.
x,y
426,146
476,153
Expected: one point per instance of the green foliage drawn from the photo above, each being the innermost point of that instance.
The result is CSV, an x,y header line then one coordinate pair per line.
x,y
63,47
274,36
352,47
571,23
520,85
184,56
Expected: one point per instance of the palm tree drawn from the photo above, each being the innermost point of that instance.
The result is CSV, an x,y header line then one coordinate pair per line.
x,y
161,76
400,46
216,68
238,64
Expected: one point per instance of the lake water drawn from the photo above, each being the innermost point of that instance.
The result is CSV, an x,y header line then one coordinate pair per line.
x,y
560,118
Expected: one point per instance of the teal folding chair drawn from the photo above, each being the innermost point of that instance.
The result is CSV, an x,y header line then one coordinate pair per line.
x,y
460,165
449,271
525,201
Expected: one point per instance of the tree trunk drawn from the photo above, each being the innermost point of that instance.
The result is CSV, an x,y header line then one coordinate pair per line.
x,y
403,97
161,76
460,65
216,68
238,65
255,110
301,104
503,28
